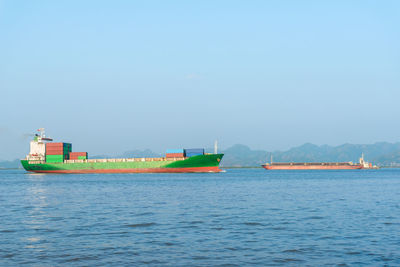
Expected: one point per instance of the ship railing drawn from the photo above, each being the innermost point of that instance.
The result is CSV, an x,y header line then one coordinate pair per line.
x,y
174,159
75,160
121,160
36,162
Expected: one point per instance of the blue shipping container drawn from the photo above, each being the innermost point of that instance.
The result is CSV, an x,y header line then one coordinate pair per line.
x,y
194,150
173,151
190,152
188,155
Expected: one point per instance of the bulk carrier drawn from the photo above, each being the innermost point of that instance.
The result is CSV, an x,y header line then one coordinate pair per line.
x,y
49,157
319,165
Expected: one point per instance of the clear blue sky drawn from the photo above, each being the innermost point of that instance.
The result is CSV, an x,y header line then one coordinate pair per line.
x,y
111,76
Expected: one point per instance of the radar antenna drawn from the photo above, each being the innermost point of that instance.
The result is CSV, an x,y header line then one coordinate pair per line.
x,y
42,135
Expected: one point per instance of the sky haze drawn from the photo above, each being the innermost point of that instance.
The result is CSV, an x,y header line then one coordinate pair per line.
x,y
111,76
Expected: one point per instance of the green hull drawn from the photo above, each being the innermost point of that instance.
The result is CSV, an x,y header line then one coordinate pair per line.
x,y
201,163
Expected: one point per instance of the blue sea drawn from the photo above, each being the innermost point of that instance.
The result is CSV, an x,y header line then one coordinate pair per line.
x,y
241,217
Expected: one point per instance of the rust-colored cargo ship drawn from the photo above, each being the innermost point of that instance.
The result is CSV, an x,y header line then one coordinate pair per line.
x,y
318,165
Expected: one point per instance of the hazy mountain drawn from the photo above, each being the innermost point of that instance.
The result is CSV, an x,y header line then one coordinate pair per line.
x,y
140,154
100,157
10,164
241,155
147,153
379,153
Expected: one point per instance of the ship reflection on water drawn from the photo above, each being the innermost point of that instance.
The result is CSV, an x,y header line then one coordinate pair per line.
x,y
35,221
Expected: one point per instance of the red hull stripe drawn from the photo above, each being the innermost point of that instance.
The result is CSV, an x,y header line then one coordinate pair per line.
x,y
312,167
149,170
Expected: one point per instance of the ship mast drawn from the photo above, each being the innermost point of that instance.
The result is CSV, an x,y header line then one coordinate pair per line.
x,y
362,158
216,147
42,135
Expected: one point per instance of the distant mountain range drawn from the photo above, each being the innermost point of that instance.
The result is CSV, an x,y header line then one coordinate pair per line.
x,y
147,153
382,154
10,164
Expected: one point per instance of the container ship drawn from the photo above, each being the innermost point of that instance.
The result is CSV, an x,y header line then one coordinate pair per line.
x,y
46,156
319,165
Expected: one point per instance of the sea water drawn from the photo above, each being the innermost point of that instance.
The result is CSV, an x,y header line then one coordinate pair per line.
x,y
241,217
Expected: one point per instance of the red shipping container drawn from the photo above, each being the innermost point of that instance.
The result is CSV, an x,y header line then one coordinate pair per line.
x,y
54,153
174,155
58,145
54,149
54,144
78,154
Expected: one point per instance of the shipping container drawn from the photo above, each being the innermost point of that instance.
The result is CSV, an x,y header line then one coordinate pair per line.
x,y
59,145
62,151
188,155
190,152
58,153
58,149
55,153
54,158
175,155
55,149
194,150
78,154
172,151
193,154
54,144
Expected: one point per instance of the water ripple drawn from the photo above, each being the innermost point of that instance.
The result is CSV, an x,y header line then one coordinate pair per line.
x,y
139,225
243,217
